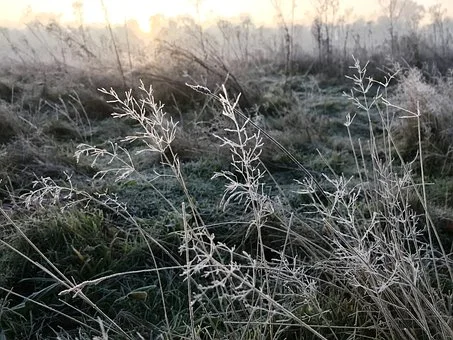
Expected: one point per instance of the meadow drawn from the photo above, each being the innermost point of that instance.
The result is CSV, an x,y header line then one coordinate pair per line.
x,y
227,182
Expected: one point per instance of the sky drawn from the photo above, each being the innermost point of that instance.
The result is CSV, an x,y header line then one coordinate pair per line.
x,y
13,12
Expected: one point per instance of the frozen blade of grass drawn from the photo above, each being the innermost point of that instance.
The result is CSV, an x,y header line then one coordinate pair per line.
x,y
118,155
245,152
53,272
76,288
158,131
47,192
231,111
10,292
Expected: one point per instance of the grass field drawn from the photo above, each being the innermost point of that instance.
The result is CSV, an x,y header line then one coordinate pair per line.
x,y
203,199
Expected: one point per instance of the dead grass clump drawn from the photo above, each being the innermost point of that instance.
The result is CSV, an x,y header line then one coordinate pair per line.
x,y
71,89
187,147
9,93
273,99
5,92
24,160
62,130
10,125
90,104
169,84
433,104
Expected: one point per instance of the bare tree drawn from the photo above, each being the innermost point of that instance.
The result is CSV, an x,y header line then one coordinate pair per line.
x,y
392,11
288,30
437,16
198,5
316,30
115,45
413,14
323,26
409,44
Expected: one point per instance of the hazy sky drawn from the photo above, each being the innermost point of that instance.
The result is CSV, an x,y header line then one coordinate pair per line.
x,y
262,11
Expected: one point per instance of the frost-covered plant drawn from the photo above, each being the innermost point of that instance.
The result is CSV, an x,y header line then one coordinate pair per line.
x,y
246,289
385,256
433,102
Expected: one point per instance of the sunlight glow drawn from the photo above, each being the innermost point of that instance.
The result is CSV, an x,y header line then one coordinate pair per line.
x,y
260,11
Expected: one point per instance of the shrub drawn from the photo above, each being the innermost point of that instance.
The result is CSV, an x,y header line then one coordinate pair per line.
x,y
433,105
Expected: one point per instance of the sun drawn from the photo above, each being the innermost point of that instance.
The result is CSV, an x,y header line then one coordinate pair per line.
x,y
138,10
143,22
